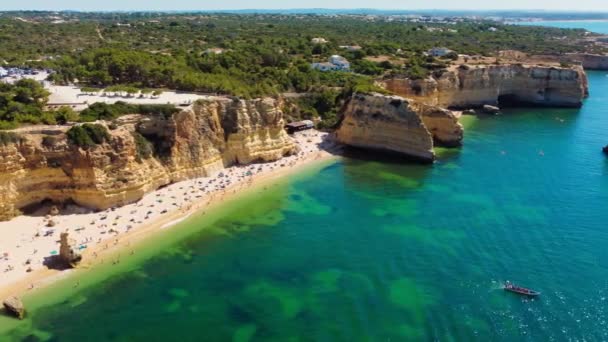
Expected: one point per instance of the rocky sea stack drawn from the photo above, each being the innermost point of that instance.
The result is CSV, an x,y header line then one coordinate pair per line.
x,y
14,306
398,125
69,254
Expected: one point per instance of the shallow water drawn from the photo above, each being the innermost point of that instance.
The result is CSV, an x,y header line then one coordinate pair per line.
x,y
597,26
376,250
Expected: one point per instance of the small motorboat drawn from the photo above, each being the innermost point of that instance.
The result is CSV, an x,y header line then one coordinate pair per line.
x,y
520,290
605,149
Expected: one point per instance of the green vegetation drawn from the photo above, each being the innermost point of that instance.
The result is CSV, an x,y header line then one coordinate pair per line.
x,y
88,135
143,147
260,54
363,87
50,140
22,103
257,55
104,111
65,114
9,138
324,105
89,90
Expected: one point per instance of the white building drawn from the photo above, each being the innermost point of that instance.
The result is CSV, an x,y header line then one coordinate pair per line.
x,y
351,48
214,51
319,40
439,51
341,62
324,66
336,63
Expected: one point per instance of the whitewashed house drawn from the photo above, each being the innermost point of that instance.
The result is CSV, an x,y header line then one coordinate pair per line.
x,y
351,48
336,63
214,51
439,51
319,40
339,61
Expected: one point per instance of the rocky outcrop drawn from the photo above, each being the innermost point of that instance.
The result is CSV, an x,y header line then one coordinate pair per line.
x,y
590,61
68,250
475,86
144,153
395,124
14,306
441,123
490,109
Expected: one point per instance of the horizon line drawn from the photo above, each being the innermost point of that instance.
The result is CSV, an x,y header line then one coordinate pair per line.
x,y
591,11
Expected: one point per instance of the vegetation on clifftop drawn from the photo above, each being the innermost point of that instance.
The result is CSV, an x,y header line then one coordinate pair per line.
x,y
9,138
21,102
144,148
242,55
250,55
104,111
88,135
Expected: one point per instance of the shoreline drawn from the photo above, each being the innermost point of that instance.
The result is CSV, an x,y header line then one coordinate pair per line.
x,y
561,21
94,255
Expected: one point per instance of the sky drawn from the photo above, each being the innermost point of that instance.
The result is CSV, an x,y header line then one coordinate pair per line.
x,y
165,5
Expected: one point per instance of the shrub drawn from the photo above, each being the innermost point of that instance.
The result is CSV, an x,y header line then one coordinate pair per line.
x,y
164,110
65,114
88,135
48,118
143,147
49,141
104,111
9,138
7,124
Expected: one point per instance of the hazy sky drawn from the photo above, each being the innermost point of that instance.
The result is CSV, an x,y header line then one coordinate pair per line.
x,y
599,5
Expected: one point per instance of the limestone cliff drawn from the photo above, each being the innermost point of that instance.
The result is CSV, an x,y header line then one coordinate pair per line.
x,y
442,124
395,124
475,86
590,61
197,141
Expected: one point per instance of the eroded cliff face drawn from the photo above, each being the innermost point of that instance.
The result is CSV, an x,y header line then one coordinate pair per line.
x,y
395,124
474,86
197,141
442,124
590,61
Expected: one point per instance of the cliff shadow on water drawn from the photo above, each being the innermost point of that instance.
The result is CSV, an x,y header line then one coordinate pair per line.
x,y
370,172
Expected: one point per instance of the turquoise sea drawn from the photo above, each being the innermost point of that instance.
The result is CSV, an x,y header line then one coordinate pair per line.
x,y
597,26
362,250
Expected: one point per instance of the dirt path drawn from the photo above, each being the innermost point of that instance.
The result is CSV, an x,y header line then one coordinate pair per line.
x,y
99,33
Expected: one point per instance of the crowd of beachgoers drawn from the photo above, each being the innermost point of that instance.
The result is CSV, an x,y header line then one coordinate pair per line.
x,y
30,241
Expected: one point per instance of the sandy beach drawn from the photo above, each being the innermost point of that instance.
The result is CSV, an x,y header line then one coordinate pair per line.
x,y
27,240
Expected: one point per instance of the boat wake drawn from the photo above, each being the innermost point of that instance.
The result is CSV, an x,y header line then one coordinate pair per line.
x,y
497,285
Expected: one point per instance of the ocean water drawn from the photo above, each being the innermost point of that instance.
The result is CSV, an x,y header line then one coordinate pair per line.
x,y
363,250
597,26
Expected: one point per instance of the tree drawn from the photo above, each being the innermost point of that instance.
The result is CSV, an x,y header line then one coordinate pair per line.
x,y
65,114
88,135
30,91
